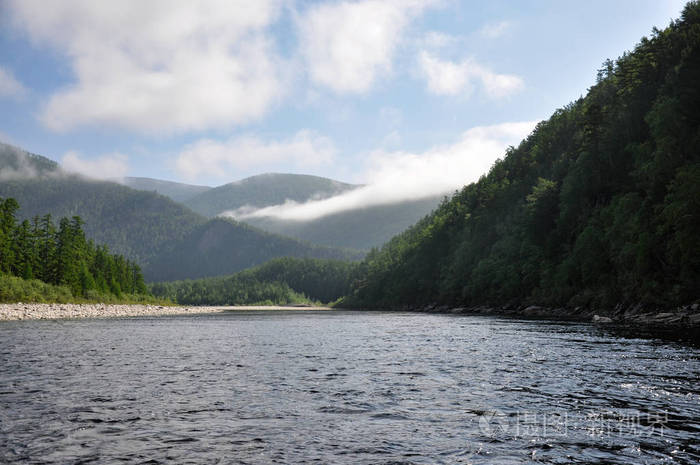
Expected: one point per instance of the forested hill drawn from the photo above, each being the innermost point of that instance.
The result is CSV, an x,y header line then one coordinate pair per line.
x,y
16,163
223,246
133,223
599,205
145,227
360,228
264,190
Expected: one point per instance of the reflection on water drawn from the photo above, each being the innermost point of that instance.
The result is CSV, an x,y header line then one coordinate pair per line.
x,y
342,387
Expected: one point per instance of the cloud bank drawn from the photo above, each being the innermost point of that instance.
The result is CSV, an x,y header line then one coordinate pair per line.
x,y
18,165
110,166
348,45
450,78
400,176
160,65
223,159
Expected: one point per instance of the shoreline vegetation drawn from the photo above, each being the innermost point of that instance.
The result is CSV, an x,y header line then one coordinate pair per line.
x,y
40,261
35,311
15,289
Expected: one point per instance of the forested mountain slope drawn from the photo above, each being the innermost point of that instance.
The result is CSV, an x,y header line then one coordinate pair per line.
x,y
146,227
222,246
361,228
599,205
16,163
133,223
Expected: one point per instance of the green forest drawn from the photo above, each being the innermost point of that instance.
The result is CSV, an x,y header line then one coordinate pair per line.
x,y
277,282
222,246
40,261
166,238
600,205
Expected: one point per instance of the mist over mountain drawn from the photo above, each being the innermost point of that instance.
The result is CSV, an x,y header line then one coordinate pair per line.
x,y
16,163
356,228
264,190
360,228
145,226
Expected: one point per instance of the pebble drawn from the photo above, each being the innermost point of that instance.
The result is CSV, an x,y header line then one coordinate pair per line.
x,y
24,311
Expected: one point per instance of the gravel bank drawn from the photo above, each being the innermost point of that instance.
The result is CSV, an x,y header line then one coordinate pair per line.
x,y
28,311
687,316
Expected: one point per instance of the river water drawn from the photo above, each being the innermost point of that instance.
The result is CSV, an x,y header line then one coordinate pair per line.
x,y
343,387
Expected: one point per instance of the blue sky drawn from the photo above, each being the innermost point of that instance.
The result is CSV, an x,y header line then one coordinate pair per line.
x,y
415,96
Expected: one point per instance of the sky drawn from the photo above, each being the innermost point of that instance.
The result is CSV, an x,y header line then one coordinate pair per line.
x,y
411,97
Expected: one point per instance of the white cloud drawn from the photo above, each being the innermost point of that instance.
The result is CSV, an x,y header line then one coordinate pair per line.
x,y
9,86
450,78
495,30
21,168
498,85
435,39
109,166
348,45
222,159
399,176
445,77
161,65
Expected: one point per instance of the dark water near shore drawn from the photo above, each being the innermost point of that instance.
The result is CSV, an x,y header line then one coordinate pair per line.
x,y
340,387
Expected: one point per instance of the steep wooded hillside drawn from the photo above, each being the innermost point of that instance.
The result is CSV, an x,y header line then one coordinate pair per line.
x,y
223,246
599,205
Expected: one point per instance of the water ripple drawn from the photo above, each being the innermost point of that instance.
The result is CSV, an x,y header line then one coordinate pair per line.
x,y
341,387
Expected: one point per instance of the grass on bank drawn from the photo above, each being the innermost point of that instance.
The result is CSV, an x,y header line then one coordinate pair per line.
x,y
14,289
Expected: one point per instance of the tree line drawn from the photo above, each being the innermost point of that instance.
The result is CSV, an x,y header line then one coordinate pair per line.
x,y
279,281
600,205
62,256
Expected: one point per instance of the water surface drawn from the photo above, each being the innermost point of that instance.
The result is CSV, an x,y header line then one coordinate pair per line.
x,y
343,387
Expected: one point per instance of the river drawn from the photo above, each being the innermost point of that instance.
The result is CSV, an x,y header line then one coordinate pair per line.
x,y
344,387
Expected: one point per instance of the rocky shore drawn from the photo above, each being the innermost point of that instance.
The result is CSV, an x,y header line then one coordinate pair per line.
x,y
31,311
636,315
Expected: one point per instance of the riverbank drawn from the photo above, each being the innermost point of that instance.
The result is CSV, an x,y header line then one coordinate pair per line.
x,y
687,316
31,311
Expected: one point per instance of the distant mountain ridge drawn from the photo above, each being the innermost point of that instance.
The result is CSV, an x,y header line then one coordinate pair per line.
x,y
360,228
177,191
264,190
142,225
199,254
